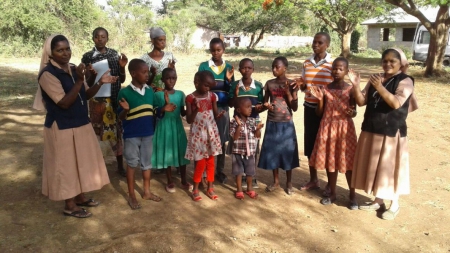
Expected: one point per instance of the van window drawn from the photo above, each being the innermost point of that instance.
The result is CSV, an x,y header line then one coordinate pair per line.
x,y
424,37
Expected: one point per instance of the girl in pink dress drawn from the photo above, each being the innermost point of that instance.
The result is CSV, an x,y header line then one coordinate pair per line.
x,y
204,140
334,149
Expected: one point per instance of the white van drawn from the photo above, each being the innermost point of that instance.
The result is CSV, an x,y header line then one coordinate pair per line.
x,y
420,46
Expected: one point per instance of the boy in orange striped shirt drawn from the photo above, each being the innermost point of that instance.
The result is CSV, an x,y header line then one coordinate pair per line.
x,y
316,72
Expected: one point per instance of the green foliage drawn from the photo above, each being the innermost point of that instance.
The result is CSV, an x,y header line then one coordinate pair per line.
x,y
354,42
179,28
25,26
127,22
369,53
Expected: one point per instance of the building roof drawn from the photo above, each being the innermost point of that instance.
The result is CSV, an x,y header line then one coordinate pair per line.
x,y
401,17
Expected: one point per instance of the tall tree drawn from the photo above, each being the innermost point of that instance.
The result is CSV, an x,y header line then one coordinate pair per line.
x,y
438,29
342,16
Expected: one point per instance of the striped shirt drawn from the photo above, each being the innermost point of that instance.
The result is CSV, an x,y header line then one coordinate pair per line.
x,y
316,74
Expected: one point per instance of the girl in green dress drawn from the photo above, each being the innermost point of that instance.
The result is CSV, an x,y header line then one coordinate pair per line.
x,y
169,141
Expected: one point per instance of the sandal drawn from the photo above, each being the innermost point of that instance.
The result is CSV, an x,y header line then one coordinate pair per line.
x,y
196,198
188,186
170,188
310,186
327,201
239,195
83,213
271,188
89,203
252,194
211,194
153,197
389,214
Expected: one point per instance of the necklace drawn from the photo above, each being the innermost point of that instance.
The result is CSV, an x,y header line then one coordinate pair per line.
x,y
73,80
377,96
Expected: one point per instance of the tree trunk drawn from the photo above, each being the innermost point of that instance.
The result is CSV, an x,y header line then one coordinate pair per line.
x,y
345,44
252,38
259,38
438,42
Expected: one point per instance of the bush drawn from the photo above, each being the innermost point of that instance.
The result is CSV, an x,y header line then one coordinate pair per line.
x,y
354,42
369,53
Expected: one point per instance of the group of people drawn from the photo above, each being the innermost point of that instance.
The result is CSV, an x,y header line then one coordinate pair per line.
x,y
143,123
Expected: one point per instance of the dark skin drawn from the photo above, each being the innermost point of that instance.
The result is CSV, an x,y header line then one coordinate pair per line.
x,y
61,54
291,99
242,113
139,78
320,45
159,43
246,69
217,51
339,71
169,81
201,91
100,39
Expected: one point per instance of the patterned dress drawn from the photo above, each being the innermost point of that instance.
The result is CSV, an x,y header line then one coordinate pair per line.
x,y
204,138
159,65
335,145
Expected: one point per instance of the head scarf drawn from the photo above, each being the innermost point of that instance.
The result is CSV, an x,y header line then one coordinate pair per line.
x,y
413,105
156,32
403,61
46,55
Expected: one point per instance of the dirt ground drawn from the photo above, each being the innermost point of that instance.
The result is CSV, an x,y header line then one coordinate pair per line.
x,y
276,222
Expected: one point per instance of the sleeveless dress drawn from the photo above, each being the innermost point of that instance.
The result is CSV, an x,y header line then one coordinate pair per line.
x,y
204,138
336,141
169,140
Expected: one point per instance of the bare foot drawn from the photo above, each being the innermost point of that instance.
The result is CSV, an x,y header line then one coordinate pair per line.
x,y
133,203
151,196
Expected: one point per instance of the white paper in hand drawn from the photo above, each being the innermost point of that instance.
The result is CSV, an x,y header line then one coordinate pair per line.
x,y
101,67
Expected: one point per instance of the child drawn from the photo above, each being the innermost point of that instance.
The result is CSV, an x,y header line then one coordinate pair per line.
x,y
249,88
279,148
223,75
169,143
157,60
204,141
335,145
245,133
136,113
103,110
316,72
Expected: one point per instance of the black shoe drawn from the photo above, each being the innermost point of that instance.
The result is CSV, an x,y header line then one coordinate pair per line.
x,y
122,172
255,183
221,178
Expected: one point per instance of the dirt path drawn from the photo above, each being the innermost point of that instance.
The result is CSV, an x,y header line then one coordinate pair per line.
x,y
275,222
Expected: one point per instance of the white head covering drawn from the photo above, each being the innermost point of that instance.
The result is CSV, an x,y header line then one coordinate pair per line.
x,y
46,55
156,32
413,105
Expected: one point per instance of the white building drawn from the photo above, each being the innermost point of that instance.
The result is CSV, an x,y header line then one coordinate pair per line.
x,y
396,29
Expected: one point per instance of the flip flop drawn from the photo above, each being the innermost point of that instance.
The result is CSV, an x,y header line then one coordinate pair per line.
x,y
170,188
196,198
188,186
89,203
239,195
289,190
252,194
83,213
133,207
310,186
155,198
210,193
326,201
271,188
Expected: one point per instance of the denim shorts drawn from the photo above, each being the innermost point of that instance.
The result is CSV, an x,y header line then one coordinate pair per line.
x,y
138,152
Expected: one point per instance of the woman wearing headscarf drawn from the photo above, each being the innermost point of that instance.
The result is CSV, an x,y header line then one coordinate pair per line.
x,y
73,163
157,60
103,110
381,164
